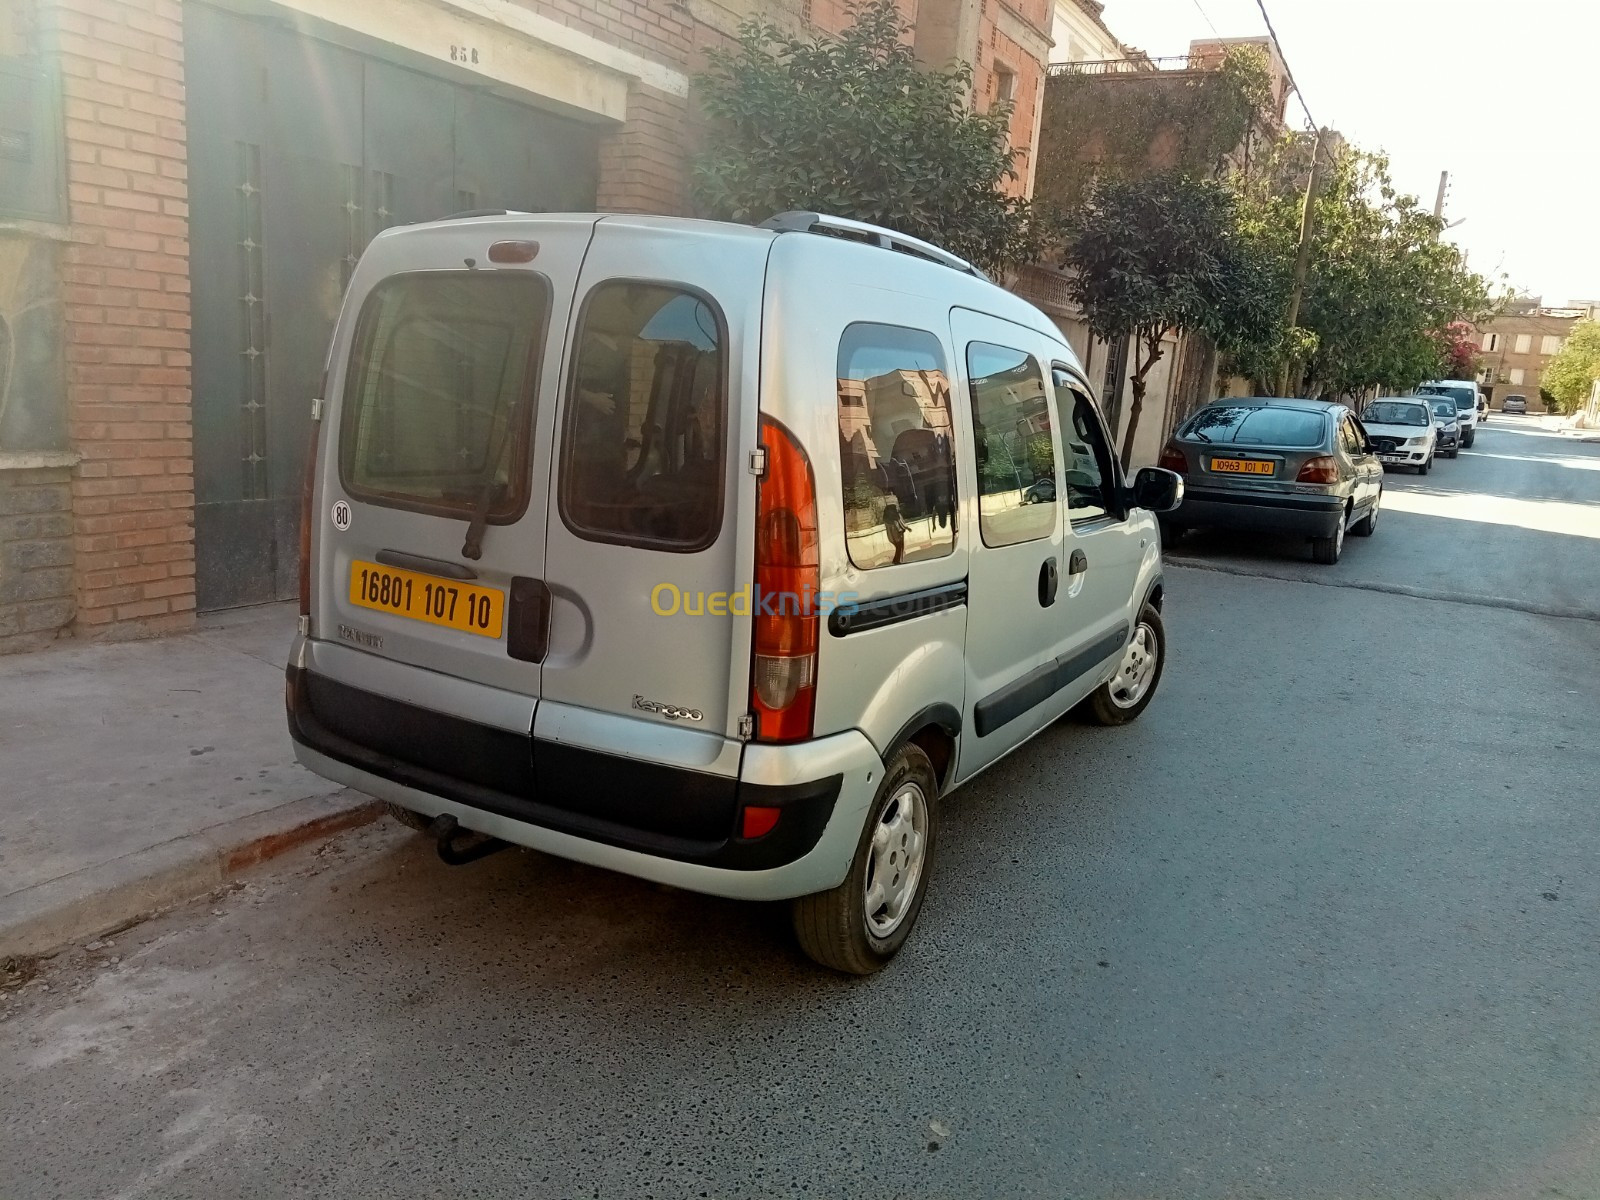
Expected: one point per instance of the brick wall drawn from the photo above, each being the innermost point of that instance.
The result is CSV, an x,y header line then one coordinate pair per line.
x,y
644,165
126,313
35,556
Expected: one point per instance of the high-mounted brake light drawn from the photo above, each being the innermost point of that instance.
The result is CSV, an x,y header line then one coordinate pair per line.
x,y
788,575
513,252
1322,469
1173,460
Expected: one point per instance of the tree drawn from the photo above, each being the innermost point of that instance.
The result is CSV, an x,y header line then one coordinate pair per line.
x,y
1383,288
1572,372
852,126
1458,351
1151,255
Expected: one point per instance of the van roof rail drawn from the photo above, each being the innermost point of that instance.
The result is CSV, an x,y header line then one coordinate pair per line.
x,y
799,221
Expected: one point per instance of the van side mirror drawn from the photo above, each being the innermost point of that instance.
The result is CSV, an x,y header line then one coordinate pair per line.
x,y
1156,489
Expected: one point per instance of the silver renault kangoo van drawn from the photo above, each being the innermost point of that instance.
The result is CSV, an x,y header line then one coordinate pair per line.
x,y
711,554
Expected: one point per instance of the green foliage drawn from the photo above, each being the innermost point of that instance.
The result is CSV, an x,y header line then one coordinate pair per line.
x,y
1123,126
1575,367
852,126
1382,289
1156,254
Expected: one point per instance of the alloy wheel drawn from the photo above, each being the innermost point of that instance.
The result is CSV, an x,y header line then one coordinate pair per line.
x,y
898,854
1137,668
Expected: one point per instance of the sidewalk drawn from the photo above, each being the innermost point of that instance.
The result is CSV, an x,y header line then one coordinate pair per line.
x,y
138,774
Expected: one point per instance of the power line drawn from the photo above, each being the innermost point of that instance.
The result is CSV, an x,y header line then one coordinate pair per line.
x,y
1214,31
1273,34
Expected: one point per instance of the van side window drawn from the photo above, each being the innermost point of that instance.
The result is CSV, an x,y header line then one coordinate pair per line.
x,y
1086,467
1016,454
440,391
895,451
642,447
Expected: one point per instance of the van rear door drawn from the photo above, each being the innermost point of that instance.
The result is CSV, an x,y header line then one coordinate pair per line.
x,y
431,529
651,532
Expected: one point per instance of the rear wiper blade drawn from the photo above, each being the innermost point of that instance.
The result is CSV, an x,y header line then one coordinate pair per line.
x,y
1195,433
473,547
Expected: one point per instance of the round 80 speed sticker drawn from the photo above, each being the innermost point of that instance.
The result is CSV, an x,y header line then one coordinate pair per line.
x,y
341,515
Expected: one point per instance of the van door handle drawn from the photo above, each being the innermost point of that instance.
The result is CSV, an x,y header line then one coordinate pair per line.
x,y
528,619
1049,580
1078,563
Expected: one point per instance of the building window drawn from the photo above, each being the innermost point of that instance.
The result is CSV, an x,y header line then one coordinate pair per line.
x,y
1524,343
1550,344
1005,83
1491,342
1516,376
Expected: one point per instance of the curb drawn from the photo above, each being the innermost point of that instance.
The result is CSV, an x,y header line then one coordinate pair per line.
x,y
115,894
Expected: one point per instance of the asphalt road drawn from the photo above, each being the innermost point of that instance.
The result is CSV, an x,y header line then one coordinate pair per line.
x,y
1322,924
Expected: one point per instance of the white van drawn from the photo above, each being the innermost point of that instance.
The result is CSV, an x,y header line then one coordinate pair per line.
x,y
711,554
1468,399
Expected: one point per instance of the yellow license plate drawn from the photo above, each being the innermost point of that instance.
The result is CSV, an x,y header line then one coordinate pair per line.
x,y
1243,466
447,602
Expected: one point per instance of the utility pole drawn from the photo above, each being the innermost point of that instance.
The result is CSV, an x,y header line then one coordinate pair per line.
x,y
1302,259
1438,203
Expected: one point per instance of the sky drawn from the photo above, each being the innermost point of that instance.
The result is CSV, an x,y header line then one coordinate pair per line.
x,y
1505,96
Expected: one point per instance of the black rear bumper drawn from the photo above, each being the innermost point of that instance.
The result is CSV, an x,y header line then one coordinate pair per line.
x,y
665,811
1312,515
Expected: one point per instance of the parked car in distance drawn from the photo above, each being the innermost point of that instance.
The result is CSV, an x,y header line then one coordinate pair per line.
x,y
1446,426
1469,403
1514,404
1276,465
710,554
1402,431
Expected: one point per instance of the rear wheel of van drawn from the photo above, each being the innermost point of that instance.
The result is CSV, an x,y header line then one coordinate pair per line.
x,y
1128,693
857,926
412,820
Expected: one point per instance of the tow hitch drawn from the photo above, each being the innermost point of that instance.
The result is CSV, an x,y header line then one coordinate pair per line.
x,y
456,845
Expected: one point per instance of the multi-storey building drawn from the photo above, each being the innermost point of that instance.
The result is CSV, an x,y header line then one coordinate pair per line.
x,y
1517,346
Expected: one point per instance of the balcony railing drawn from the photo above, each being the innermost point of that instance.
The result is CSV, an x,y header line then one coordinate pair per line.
x,y
1133,66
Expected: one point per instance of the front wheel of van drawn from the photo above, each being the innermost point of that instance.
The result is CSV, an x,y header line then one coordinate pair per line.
x,y
858,926
1128,693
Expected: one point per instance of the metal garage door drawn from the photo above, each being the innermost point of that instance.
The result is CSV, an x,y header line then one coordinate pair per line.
x,y
299,152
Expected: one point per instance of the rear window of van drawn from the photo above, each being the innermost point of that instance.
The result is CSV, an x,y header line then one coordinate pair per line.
x,y
642,443
440,392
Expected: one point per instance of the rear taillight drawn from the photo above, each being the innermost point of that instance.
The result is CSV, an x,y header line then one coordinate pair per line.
x,y
1322,469
308,488
787,620
1173,460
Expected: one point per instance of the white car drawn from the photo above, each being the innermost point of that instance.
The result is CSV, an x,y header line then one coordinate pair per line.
x,y
1401,429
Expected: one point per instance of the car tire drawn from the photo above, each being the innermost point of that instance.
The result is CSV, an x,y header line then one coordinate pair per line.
x,y
1471,437
1369,523
408,818
1326,550
1426,467
1452,452
1171,535
1128,693
835,928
